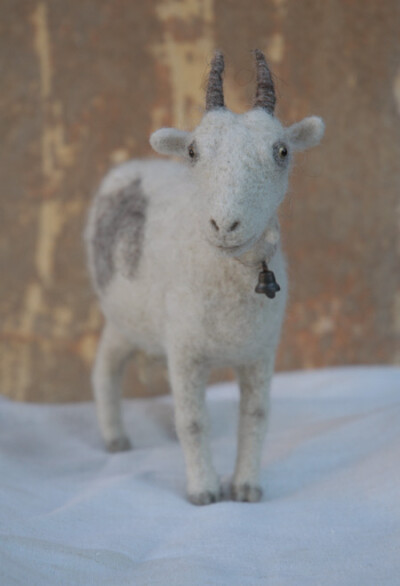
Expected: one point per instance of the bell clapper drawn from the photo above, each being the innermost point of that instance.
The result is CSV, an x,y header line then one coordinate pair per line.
x,y
266,282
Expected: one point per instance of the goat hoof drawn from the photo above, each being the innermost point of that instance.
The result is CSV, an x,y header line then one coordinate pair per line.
x,y
119,444
206,497
246,493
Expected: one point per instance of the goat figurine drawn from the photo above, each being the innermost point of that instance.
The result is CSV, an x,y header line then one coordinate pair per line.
x,y
174,252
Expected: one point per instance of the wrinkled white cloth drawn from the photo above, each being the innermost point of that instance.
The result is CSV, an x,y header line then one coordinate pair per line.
x,y
71,514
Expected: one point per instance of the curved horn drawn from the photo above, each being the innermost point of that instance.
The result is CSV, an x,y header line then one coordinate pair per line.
x,y
215,92
265,94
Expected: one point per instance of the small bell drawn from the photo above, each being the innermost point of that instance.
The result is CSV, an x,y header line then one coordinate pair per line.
x,y
266,282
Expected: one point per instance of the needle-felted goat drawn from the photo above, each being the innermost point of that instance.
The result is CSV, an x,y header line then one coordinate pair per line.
x,y
175,252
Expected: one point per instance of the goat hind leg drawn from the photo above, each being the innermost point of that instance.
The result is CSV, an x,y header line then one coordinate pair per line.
x,y
112,354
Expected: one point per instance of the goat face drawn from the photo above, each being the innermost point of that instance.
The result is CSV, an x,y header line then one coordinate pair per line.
x,y
239,162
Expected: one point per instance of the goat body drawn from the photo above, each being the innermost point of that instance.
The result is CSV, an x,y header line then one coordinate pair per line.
x,y
174,253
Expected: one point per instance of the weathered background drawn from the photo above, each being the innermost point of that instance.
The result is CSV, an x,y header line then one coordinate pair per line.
x,y
85,82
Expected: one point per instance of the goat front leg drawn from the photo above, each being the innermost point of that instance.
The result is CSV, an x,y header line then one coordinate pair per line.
x,y
112,354
254,381
188,378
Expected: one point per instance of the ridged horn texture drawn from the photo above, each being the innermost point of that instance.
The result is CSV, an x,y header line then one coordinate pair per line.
x,y
265,94
215,91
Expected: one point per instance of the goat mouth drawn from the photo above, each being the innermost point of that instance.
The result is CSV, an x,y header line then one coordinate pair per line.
x,y
238,248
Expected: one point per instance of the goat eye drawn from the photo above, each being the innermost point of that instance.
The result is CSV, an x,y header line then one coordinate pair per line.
x,y
191,152
280,152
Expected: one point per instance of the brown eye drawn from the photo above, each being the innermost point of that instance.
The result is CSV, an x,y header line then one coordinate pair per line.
x,y
191,152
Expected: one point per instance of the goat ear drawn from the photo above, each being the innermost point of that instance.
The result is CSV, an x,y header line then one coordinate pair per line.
x,y
306,134
169,141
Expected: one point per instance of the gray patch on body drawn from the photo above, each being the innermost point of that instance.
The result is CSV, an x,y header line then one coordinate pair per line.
x,y
120,220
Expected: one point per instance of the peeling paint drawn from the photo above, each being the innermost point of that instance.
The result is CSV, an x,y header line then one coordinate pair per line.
x,y
396,90
32,307
53,215
119,156
185,60
351,79
86,347
42,47
19,371
396,312
276,48
56,153
51,220
186,10
62,318
186,75
281,6
84,88
159,115
94,319
323,325
397,216
234,99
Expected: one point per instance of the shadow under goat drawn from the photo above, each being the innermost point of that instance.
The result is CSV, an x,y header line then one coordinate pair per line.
x,y
206,232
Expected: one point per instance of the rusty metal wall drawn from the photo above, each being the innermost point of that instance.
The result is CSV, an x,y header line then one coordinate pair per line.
x,y
84,83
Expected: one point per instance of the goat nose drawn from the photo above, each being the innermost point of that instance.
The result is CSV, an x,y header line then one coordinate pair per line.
x,y
234,226
214,224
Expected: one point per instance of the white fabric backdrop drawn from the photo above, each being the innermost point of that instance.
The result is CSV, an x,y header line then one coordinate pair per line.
x,y
72,514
